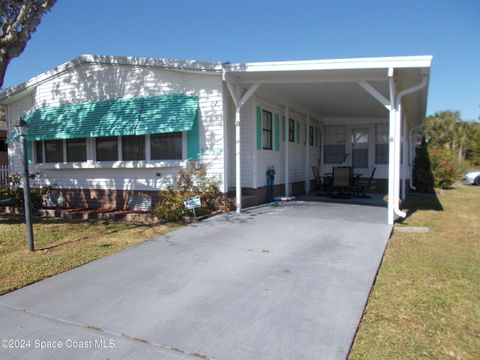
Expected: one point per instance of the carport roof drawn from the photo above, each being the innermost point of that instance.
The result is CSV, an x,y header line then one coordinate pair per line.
x,y
330,87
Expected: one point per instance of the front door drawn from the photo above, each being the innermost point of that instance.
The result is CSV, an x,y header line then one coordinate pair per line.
x,y
360,150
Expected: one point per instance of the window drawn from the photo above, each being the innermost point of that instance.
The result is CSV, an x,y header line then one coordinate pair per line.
x,y
267,130
291,130
76,150
381,143
3,144
53,151
360,148
166,146
310,135
38,152
133,147
106,148
334,149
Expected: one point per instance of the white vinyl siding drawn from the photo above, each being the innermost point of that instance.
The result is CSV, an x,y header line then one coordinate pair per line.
x,y
93,82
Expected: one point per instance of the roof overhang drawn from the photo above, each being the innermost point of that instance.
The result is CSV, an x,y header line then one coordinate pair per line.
x,y
331,87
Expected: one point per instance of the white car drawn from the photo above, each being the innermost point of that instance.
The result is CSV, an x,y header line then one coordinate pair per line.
x,y
472,177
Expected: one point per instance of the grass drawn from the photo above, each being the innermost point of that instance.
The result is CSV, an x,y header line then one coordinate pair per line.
x,y
426,299
62,245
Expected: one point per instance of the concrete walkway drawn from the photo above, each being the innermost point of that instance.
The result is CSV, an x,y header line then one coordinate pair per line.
x,y
277,282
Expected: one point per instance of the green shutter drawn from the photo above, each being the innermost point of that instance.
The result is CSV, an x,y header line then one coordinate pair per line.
x,y
193,141
284,128
297,132
316,136
277,132
305,134
259,128
30,152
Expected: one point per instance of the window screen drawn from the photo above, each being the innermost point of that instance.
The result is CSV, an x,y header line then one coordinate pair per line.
x,y
76,150
166,146
267,130
291,130
133,147
106,148
381,143
53,151
334,149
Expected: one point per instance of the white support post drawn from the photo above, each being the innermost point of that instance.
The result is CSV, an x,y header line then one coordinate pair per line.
x,y
398,149
391,150
238,178
287,135
239,101
404,171
307,155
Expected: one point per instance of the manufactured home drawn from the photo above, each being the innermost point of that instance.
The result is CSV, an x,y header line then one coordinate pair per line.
x,y
108,130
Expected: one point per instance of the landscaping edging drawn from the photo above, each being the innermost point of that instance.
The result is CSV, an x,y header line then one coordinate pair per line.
x,y
101,214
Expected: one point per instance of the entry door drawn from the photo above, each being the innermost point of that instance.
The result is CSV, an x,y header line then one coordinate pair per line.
x,y
360,137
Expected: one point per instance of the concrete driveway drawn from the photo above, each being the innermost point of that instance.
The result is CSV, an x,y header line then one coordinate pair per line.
x,y
277,282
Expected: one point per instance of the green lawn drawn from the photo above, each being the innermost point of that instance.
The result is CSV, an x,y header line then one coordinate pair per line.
x,y
426,300
62,245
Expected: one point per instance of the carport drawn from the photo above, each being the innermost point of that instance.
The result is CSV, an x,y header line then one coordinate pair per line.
x,y
379,100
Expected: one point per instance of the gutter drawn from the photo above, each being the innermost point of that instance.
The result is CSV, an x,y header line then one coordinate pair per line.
x,y
401,94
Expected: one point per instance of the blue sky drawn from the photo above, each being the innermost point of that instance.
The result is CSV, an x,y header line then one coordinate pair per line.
x,y
270,30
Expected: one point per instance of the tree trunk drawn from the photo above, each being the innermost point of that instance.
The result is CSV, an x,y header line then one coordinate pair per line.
x,y
4,61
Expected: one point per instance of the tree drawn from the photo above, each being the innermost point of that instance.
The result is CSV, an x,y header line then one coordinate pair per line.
x,y
18,20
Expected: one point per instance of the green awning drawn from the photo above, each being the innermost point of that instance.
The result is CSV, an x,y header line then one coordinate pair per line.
x,y
115,117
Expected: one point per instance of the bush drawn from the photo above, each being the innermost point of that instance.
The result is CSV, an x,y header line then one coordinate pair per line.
x,y
14,191
192,181
422,169
443,168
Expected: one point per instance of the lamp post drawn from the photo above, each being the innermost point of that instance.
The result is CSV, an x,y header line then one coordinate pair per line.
x,y
22,129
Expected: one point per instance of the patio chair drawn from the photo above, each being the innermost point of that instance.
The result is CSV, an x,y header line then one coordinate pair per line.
x,y
316,176
362,186
342,181
321,184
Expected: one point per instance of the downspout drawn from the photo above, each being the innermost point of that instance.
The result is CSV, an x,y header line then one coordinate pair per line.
x,y
401,94
412,157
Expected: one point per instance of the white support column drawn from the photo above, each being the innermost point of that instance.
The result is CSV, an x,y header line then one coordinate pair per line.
x,y
238,178
391,150
398,150
239,101
287,135
307,155
404,165
322,147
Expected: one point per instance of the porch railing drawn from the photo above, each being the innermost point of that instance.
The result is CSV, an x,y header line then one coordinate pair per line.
x,y
4,171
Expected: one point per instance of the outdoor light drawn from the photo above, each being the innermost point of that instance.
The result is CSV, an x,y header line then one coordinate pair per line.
x,y
22,129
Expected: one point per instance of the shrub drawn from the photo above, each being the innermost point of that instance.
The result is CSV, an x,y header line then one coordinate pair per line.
x,y
443,168
422,169
192,181
14,191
